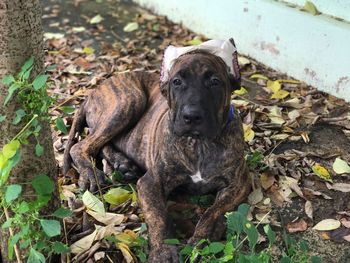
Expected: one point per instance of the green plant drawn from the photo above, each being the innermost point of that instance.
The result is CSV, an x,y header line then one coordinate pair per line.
x,y
297,252
255,161
29,229
240,245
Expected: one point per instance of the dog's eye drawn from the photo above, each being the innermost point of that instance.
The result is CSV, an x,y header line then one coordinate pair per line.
x,y
215,81
177,82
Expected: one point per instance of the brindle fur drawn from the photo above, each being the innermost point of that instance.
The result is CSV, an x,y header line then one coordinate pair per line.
x,y
129,118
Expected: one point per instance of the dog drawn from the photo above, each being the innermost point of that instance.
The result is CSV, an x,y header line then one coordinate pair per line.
x,y
181,132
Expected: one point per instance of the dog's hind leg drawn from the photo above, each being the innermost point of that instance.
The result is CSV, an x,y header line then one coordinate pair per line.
x,y
112,108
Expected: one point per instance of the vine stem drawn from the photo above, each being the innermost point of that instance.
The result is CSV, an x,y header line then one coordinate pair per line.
x,y
15,247
25,127
258,224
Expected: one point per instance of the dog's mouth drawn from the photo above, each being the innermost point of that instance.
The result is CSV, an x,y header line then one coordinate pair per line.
x,y
193,134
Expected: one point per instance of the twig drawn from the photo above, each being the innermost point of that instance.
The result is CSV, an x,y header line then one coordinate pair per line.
x,y
335,119
15,247
96,179
65,237
25,127
258,224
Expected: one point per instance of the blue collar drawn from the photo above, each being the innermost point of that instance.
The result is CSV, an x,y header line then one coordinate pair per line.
x,y
231,114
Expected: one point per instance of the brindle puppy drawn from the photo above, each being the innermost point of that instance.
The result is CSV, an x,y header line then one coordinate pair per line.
x,y
181,134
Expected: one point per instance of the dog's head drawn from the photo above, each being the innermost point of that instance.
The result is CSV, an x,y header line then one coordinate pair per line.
x,y
198,89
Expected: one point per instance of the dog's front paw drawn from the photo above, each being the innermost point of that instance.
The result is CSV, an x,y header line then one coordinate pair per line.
x,y
164,254
90,179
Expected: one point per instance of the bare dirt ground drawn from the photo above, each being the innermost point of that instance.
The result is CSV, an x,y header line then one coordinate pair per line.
x,y
294,132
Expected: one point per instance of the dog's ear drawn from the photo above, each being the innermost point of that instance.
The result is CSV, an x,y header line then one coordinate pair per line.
x,y
164,88
234,83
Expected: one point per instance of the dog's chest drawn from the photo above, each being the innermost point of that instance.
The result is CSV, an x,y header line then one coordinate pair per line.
x,y
197,177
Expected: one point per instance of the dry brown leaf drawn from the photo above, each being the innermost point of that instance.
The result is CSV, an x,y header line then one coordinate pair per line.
x,y
86,242
99,255
293,103
297,226
255,197
342,187
347,238
267,180
293,115
345,222
280,136
275,195
327,225
107,218
263,218
275,115
308,209
305,137
128,255
325,235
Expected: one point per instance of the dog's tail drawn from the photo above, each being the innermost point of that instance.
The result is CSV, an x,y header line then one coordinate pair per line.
x,y
77,127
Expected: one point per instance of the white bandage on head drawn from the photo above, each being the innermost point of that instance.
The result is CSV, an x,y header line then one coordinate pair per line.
x,y
224,49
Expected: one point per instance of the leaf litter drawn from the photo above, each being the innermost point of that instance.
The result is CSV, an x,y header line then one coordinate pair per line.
x,y
301,134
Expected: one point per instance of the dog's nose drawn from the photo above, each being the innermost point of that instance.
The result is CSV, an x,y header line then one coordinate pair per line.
x,y
191,115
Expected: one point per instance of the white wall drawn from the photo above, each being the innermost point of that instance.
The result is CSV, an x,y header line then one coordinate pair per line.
x,y
314,49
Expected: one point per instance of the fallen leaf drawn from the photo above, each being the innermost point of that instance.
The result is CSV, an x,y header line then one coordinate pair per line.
x,y
345,222
293,103
339,234
99,256
275,115
127,237
131,27
242,61
127,254
327,224
342,187
322,173
305,137
239,103
290,81
280,136
267,180
258,76
293,115
195,42
248,133
107,218
88,50
116,196
297,226
293,184
347,238
49,35
273,85
93,203
78,29
263,218
86,242
310,8
255,197
308,209
275,195
325,235
284,187
340,166
96,19
241,91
